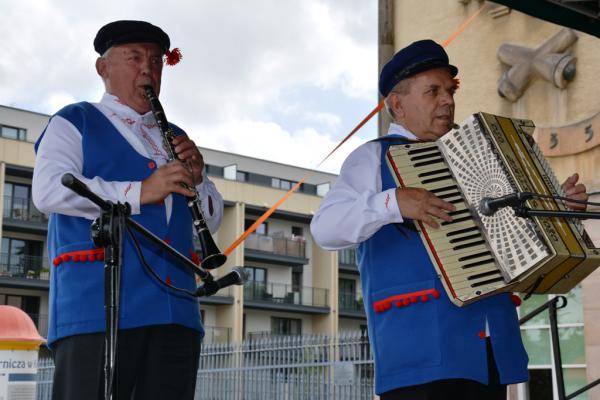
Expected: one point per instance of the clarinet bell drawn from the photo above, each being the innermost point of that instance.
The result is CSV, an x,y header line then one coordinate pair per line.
x,y
211,256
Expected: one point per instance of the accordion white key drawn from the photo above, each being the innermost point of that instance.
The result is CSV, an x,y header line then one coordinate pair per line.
x,y
477,255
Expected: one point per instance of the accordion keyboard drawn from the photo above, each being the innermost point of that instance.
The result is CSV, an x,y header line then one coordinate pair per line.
x,y
465,262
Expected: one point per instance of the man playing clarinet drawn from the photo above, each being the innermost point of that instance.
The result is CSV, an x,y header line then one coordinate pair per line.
x,y
115,148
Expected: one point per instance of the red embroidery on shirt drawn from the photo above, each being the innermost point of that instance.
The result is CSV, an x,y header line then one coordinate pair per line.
x,y
128,121
127,189
156,150
387,201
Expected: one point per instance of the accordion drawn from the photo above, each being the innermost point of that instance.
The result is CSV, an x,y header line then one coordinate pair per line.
x,y
477,255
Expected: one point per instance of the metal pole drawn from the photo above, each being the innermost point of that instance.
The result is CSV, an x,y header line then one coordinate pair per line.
x,y
386,51
556,347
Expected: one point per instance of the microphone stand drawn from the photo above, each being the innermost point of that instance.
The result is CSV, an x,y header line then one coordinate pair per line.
x,y
524,212
107,232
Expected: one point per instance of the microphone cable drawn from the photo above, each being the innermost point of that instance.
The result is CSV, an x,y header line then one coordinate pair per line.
x,y
149,268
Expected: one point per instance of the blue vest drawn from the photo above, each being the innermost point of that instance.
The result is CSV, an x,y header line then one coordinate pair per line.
x,y
423,336
77,277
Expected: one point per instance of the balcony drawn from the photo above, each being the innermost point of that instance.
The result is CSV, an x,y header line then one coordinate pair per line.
x,y
216,334
347,261
351,305
20,214
24,271
276,249
279,296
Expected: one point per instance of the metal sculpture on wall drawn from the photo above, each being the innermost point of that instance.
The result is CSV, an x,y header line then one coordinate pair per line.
x,y
549,61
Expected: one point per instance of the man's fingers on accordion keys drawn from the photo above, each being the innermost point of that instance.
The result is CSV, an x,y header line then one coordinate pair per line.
x,y
430,221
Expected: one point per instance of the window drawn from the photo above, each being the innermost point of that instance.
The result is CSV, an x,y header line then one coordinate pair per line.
x,y
214,170
241,176
347,294
347,256
20,256
286,326
10,132
256,274
256,288
322,189
283,184
230,172
297,231
296,281
538,343
262,229
18,204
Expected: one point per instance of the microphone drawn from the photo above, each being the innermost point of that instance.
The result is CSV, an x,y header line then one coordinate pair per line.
x,y
69,181
488,205
237,276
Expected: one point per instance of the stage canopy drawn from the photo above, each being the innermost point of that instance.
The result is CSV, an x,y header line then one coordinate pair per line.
x,y
582,15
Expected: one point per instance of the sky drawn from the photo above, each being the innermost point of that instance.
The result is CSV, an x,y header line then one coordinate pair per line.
x,y
281,80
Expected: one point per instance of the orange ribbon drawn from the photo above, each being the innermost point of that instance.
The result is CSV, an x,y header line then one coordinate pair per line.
x,y
275,206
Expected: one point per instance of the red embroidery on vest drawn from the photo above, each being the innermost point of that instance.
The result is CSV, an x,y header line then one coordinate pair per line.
x,y
387,201
127,189
405,299
79,256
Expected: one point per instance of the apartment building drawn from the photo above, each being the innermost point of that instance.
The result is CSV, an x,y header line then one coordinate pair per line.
x,y
294,288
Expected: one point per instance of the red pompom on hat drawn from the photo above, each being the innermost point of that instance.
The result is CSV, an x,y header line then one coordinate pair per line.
x,y
173,56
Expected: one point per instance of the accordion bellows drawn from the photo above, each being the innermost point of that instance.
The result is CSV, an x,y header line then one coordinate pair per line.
x,y
478,255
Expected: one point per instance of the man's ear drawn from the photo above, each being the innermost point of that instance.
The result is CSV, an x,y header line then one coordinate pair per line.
x,y
101,67
396,106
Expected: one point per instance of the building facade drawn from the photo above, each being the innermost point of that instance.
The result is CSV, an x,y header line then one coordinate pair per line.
x,y
518,66
295,288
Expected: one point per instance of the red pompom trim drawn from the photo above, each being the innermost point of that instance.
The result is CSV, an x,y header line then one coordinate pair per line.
x,y
173,56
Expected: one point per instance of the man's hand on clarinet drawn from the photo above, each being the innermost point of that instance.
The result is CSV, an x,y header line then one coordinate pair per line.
x,y
422,205
188,152
575,191
166,180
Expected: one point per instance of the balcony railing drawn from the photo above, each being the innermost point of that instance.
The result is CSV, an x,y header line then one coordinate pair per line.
x,y
350,302
21,209
291,247
216,334
23,266
279,293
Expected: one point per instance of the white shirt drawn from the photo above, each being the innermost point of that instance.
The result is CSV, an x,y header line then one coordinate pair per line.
x,y
60,151
356,208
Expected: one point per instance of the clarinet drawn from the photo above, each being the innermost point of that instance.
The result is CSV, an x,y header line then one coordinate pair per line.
x,y
211,256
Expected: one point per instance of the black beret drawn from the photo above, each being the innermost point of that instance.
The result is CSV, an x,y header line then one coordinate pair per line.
x,y
417,57
121,32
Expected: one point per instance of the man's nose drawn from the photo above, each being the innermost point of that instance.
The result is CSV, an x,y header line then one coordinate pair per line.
x,y
448,99
145,66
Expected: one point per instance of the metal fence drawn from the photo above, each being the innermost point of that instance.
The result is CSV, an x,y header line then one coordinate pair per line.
x,y
277,368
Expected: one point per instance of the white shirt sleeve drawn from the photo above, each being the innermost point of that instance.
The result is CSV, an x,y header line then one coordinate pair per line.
x,y
207,190
356,207
60,151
